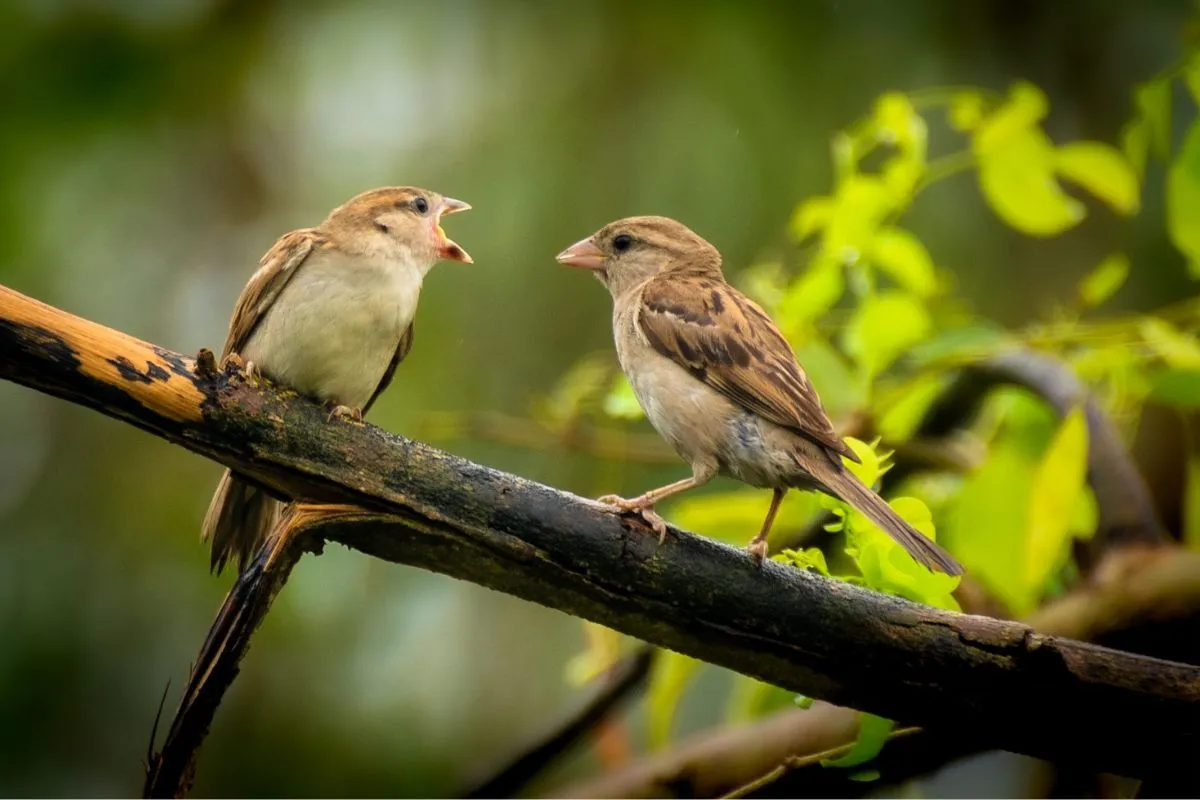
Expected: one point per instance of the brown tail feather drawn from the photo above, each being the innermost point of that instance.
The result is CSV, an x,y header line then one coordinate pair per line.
x,y
842,483
238,520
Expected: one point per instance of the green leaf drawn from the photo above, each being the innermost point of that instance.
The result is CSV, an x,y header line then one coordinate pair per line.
x,y
621,402
1104,281
1172,345
1017,180
803,702
899,123
965,344
1057,487
811,559
673,673
811,216
882,328
902,256
1177,387
1103,171
965,111
899,420
841,392
887,567
982,524
1153,103
1191,503
1014,120
1135,144
812,294
862,203
866,776
1183,199
873,733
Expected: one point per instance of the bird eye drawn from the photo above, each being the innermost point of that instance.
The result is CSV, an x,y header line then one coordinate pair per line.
x,y
622,242
382,226
421,205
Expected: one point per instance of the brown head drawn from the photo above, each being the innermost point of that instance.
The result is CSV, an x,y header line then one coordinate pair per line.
x,y
401,223
630,251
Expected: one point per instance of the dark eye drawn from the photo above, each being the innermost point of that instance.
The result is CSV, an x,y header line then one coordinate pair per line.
x,y
421,205
622,242
382,226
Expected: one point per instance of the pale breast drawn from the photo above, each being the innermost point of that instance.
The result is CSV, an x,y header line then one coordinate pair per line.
x,y
335,327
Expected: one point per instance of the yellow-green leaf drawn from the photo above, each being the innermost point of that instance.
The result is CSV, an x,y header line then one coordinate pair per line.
x,y
621,402
899,420
1018,182
812,294
902,256
1153,103
1177,387
735,516
1135,144
862,203
899,123
1183,199
811,216
1057,486
966,111
673,672
1015,119
873,733
883,327
1103,171
1104,281
1173,346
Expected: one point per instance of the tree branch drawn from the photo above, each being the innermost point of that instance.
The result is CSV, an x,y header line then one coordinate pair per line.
x,y
1156,591
1001,681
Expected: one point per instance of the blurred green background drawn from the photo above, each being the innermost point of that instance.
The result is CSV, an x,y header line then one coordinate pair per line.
x,y
150,152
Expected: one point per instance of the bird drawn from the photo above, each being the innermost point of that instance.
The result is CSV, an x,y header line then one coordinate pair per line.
x,y
719,382
329,314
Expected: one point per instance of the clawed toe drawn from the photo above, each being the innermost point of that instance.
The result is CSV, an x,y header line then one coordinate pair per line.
x,y
345,413
621,505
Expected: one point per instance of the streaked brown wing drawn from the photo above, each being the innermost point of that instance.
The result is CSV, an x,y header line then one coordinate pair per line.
x,y
275,270
401,351
724,339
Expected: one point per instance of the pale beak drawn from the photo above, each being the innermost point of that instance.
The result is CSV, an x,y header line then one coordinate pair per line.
x,y
583,253
447,247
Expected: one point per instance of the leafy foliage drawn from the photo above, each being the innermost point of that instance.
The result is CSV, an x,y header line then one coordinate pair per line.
x,y
872,317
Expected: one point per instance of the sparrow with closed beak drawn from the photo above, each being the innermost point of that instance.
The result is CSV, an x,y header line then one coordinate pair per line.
x,y
329,313
718,380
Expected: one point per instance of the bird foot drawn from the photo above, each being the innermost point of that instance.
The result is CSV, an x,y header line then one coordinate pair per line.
x,y
757,550
248,368
346,413
621,505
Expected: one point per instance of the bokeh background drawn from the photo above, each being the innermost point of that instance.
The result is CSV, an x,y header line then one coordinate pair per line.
x,y
151,151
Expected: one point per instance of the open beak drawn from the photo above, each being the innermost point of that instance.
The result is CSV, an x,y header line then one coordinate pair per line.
x,y
583,253
447,247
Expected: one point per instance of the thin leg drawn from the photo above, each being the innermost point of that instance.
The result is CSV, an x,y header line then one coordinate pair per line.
x,y
644,504
758,545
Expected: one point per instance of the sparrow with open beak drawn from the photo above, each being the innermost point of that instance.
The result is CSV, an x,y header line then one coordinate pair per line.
x,y
330,314
718,380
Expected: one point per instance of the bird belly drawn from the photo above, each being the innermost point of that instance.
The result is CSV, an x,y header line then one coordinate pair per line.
x,y
333,331
759,452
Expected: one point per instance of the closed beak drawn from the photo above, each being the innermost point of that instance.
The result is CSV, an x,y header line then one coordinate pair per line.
x,y
447,247
583,253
